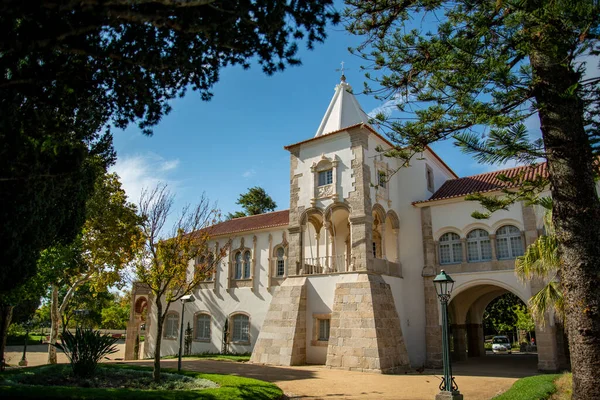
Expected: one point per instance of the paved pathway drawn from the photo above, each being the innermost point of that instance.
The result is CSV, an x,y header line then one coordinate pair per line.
x,y
478,379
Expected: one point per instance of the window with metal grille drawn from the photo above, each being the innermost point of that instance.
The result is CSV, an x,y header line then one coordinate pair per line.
x,y
172,326
238,265
324,325
479,247
450,249
203,327
247,265
280,261
326,177
241,328
509,243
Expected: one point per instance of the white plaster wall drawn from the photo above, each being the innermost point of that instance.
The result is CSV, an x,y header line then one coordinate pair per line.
x,y
456,217
338,145
320,292
221,303
407,185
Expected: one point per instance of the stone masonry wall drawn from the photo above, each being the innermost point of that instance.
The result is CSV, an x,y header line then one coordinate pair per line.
x,y
433,330
360,202
282,337
365,330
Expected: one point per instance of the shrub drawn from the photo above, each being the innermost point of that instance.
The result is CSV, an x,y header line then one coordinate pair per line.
x,y
85,349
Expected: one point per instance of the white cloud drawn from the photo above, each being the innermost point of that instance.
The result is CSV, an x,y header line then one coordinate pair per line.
x,y
388,107
249,173
144,171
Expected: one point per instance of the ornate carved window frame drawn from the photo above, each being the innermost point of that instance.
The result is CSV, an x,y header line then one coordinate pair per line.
x,y
326,191
234,282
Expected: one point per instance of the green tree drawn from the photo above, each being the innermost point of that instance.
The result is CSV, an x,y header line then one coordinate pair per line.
x,y
474,75
70,69
542,261
108,242
116,315
172,266
254,201
499,316
524,320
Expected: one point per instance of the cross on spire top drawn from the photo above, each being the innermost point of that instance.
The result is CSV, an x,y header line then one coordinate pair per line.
x,y
342,69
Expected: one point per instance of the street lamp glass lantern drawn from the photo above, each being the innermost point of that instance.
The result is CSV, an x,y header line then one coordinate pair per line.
x,y
443,284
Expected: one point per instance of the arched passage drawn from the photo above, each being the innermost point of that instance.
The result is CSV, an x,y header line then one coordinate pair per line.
x,y
467,309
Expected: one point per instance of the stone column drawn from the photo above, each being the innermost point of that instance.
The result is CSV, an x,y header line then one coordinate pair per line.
x,y
294,252
459,338
317,239
475,340
545,339
433,330
382,225
493,246
397,235
327,261
302,257
463,245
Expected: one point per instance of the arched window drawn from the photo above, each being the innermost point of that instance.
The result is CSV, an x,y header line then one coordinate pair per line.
x,y
479,247
509,243
247,264
171,326
450,249
241,328
280,267
376,244
238,265
202,327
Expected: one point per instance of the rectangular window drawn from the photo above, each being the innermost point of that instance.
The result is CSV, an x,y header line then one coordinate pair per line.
x,y
171,327
429,176
324,329
203,327
326,177
382,181
517,246
280,267
472,251
241,329
502,248
457,250
486,250
445,257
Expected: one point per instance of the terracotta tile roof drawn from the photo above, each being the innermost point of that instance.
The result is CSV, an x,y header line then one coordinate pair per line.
x,y
251,223
486,182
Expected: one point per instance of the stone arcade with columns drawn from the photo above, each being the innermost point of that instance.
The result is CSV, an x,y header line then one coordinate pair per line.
x,y
344,277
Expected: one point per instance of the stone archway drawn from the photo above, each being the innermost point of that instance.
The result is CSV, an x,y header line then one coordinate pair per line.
x,y
466,309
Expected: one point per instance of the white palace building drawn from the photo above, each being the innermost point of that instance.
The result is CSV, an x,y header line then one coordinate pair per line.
x,y
344,277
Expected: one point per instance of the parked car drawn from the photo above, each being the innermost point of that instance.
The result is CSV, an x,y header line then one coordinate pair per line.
x,y
501,344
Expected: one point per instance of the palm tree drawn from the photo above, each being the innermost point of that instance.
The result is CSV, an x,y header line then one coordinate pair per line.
x,y
542,261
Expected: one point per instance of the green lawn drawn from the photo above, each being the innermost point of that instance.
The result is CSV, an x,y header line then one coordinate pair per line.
x,y
231,387
18,340
217,357
537,387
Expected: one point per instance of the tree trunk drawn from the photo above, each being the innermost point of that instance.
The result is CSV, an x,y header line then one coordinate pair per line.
x,y
576,209
159,328
5,318
55,325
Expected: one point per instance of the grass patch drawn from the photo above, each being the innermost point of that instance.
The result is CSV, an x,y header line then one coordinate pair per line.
x,y
19,340
537,387
216,357
564,387
230,387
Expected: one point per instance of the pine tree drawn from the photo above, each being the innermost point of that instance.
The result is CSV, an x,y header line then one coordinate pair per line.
x,y
255,201
475,75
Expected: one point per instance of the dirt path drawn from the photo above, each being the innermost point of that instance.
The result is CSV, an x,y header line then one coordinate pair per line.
x,y
476,379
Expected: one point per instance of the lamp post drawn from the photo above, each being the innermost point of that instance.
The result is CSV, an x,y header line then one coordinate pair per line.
x,y
185,299
449,389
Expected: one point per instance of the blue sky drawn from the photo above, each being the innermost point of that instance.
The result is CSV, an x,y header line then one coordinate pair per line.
x,y
235,141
